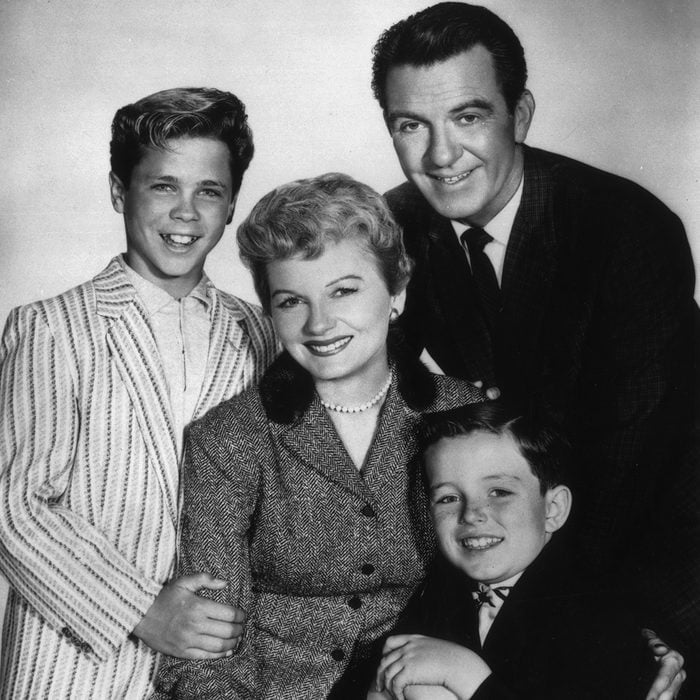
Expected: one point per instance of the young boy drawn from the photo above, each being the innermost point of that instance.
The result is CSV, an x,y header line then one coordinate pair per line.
x,y
508,612
96,388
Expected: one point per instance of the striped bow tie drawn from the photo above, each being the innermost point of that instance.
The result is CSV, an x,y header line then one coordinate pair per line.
x,y
493,596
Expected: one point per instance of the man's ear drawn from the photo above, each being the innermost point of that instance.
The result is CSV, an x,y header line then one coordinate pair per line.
x,y
231,208
557,507
522,117
117,192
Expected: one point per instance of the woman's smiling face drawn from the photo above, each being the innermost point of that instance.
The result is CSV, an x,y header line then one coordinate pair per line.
x,y
332,313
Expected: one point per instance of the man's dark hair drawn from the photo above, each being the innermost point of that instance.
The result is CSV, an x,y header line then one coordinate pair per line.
x,y
443,31
540,443
176,113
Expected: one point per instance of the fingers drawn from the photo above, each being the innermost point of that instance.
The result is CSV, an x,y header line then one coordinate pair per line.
x,y
670,675
195,582
222,612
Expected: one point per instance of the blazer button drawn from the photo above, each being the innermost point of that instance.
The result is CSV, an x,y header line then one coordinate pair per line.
x,y
368,511
337,654
355,603
367,569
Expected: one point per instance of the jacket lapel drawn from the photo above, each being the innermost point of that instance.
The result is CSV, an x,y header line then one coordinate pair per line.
x,y
457,302
303,437
133,349
228,350
528,272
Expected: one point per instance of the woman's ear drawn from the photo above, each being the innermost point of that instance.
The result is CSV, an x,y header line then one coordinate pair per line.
x,y
557,507
398,302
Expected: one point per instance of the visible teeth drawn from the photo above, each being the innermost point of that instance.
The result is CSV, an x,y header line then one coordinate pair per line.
x,y
331,347
480,542
455,178
179,238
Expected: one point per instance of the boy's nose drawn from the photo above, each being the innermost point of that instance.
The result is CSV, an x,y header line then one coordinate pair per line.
x,y
472,512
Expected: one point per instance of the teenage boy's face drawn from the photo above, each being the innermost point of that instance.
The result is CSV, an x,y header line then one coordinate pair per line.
x,y
175,210
489,515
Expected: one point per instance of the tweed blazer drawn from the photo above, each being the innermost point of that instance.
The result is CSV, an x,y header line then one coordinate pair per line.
x,y
596,323
89,480
322,557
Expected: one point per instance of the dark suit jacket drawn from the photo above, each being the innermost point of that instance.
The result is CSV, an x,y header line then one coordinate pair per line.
x,y
322,557
560,633
596,323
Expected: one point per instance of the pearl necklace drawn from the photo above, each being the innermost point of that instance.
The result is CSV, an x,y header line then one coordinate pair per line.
x,y
359,409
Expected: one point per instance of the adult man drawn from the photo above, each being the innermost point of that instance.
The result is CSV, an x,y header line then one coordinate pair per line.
x,y
580,292
97,386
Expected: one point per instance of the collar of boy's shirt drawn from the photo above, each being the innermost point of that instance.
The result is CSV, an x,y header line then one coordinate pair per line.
x,y
154,298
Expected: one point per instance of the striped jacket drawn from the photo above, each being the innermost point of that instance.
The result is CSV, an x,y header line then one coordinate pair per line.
x,y
89,480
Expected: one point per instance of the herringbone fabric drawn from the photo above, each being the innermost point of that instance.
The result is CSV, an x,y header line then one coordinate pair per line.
x,y
322,557
89,480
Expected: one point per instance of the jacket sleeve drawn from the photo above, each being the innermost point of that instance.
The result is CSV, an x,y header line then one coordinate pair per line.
x,y
638,408
220,494
60,564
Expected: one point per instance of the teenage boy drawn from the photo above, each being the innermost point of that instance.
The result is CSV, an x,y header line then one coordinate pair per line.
x,y
508,613
96,388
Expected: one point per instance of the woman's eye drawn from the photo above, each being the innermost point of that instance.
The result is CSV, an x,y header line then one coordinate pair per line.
x,y
288,303
211,193
343,291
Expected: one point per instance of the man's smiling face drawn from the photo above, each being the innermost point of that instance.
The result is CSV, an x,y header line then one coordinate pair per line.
x,y
454,135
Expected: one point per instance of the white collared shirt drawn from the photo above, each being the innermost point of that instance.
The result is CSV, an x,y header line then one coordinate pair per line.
x,y
181,328
499,229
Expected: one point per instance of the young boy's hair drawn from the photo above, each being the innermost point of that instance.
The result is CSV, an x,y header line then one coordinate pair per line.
x,y
177,113
541,444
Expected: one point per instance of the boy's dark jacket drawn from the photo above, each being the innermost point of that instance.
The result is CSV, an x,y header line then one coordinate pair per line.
x,y
559,635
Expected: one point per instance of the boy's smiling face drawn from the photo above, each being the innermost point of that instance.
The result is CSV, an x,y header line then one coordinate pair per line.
x,y
489,514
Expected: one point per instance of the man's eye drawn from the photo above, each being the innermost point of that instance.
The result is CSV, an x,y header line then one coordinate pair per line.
x,y
211,193
408,127
469,119
163,187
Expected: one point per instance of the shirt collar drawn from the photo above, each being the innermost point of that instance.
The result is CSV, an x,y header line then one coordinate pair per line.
x,y
154,298
501,225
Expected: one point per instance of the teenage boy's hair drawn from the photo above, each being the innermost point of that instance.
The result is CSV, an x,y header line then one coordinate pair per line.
x,y
177,113
541,444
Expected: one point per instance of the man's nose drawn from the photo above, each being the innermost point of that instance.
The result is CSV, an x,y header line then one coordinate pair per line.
x,y
444,148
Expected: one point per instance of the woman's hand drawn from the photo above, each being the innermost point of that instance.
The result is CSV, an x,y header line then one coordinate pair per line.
x,y
671,675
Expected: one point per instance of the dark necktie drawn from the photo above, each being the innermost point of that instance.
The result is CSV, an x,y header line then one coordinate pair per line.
x,y
483,274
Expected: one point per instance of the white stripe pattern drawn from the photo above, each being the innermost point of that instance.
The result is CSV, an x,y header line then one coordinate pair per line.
x,y
89,480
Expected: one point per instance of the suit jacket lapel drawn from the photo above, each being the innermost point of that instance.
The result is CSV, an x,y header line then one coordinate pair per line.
x,y
133,349
457,302
528,270
228,346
